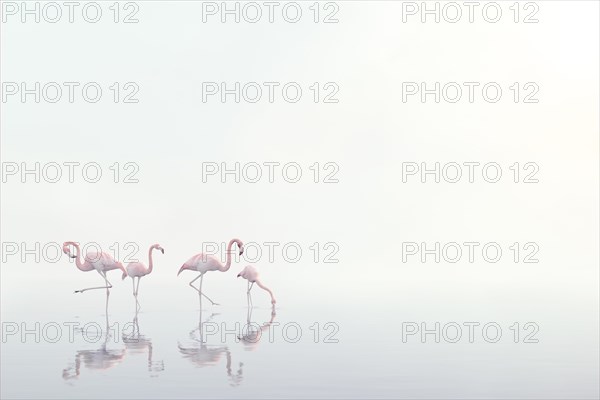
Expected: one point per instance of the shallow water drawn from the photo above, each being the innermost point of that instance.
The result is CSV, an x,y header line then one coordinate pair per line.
x,y
351,347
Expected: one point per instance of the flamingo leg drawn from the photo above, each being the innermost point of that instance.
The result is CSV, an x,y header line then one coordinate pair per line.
x,y
137,290
108,284
249,314
248,293
250,284
200,290
106,311
133,284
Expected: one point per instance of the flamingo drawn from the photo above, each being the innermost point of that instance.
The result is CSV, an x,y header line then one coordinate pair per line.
x,y
100,262
251,274
205,262
138,269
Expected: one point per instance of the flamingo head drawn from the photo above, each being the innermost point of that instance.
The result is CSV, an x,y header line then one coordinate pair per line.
x,y
122,268
158,247
239,243
243,273
67,250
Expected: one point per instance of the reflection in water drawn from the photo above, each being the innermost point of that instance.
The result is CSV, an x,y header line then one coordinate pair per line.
x,y
136,343
198,352
99,359
94,359
252,331
202,355
103,358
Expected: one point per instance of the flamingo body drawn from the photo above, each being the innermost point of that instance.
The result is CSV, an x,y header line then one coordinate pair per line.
x,y
203,263
249,273
136,270
100,262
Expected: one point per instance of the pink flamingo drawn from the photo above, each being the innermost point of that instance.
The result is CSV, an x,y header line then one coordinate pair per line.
x,y
205,262
100,262
251,274
138,269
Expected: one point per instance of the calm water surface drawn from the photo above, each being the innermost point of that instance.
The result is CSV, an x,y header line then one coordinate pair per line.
x,y
341,347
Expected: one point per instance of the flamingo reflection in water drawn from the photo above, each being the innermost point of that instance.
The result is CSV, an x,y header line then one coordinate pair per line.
x,y
98,359
136,343
203,355
253,332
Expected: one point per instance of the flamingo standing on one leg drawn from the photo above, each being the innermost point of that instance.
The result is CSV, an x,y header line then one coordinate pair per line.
x,y
138,269
205,262
251,274
100,262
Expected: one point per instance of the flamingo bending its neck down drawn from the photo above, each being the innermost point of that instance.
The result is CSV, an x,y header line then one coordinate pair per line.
x,y
251,274
205,262
138,269
94,261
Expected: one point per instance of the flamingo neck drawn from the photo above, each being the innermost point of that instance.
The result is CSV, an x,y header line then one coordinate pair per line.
x,y
260,285
228,263
150,264
78,262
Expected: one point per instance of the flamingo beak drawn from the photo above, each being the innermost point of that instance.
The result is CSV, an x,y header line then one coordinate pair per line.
x,y
162,250
72,256
239,275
